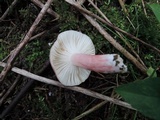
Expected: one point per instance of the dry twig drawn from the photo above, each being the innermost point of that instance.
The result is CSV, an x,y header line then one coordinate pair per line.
x,y
24,41
121,2
8,9
37,35
77,89
9,90
2,93
144,8
50,11
111,39
125,12
90,110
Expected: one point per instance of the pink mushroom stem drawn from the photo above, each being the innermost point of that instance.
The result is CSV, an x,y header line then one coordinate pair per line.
x,y
108,63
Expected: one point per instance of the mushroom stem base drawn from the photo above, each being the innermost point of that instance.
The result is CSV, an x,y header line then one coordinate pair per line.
x,y
108,63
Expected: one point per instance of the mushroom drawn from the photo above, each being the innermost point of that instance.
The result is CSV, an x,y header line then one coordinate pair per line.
x,y
72,58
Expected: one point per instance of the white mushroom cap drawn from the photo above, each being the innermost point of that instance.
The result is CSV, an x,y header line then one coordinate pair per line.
x,y
67,44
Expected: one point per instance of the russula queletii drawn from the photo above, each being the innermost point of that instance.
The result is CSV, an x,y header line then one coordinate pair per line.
x,y
72,58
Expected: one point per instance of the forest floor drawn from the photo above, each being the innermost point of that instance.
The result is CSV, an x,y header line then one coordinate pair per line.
x,y
39,101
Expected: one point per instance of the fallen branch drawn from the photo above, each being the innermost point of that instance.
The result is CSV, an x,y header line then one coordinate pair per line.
x,y
111,40
10,90
2,93
37,35
80,8
50,11
24,41
77,89
8,9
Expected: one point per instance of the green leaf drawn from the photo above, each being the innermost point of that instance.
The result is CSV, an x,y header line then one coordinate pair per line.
x,y
151,72
144,95
156,10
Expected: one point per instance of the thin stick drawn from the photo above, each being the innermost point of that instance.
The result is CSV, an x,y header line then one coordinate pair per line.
x,y
77,89
129,46
100,12
80,8
123,7
50,11
9,90
2,92
125,12
37,35
24,41
90,110
144,8
8,9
